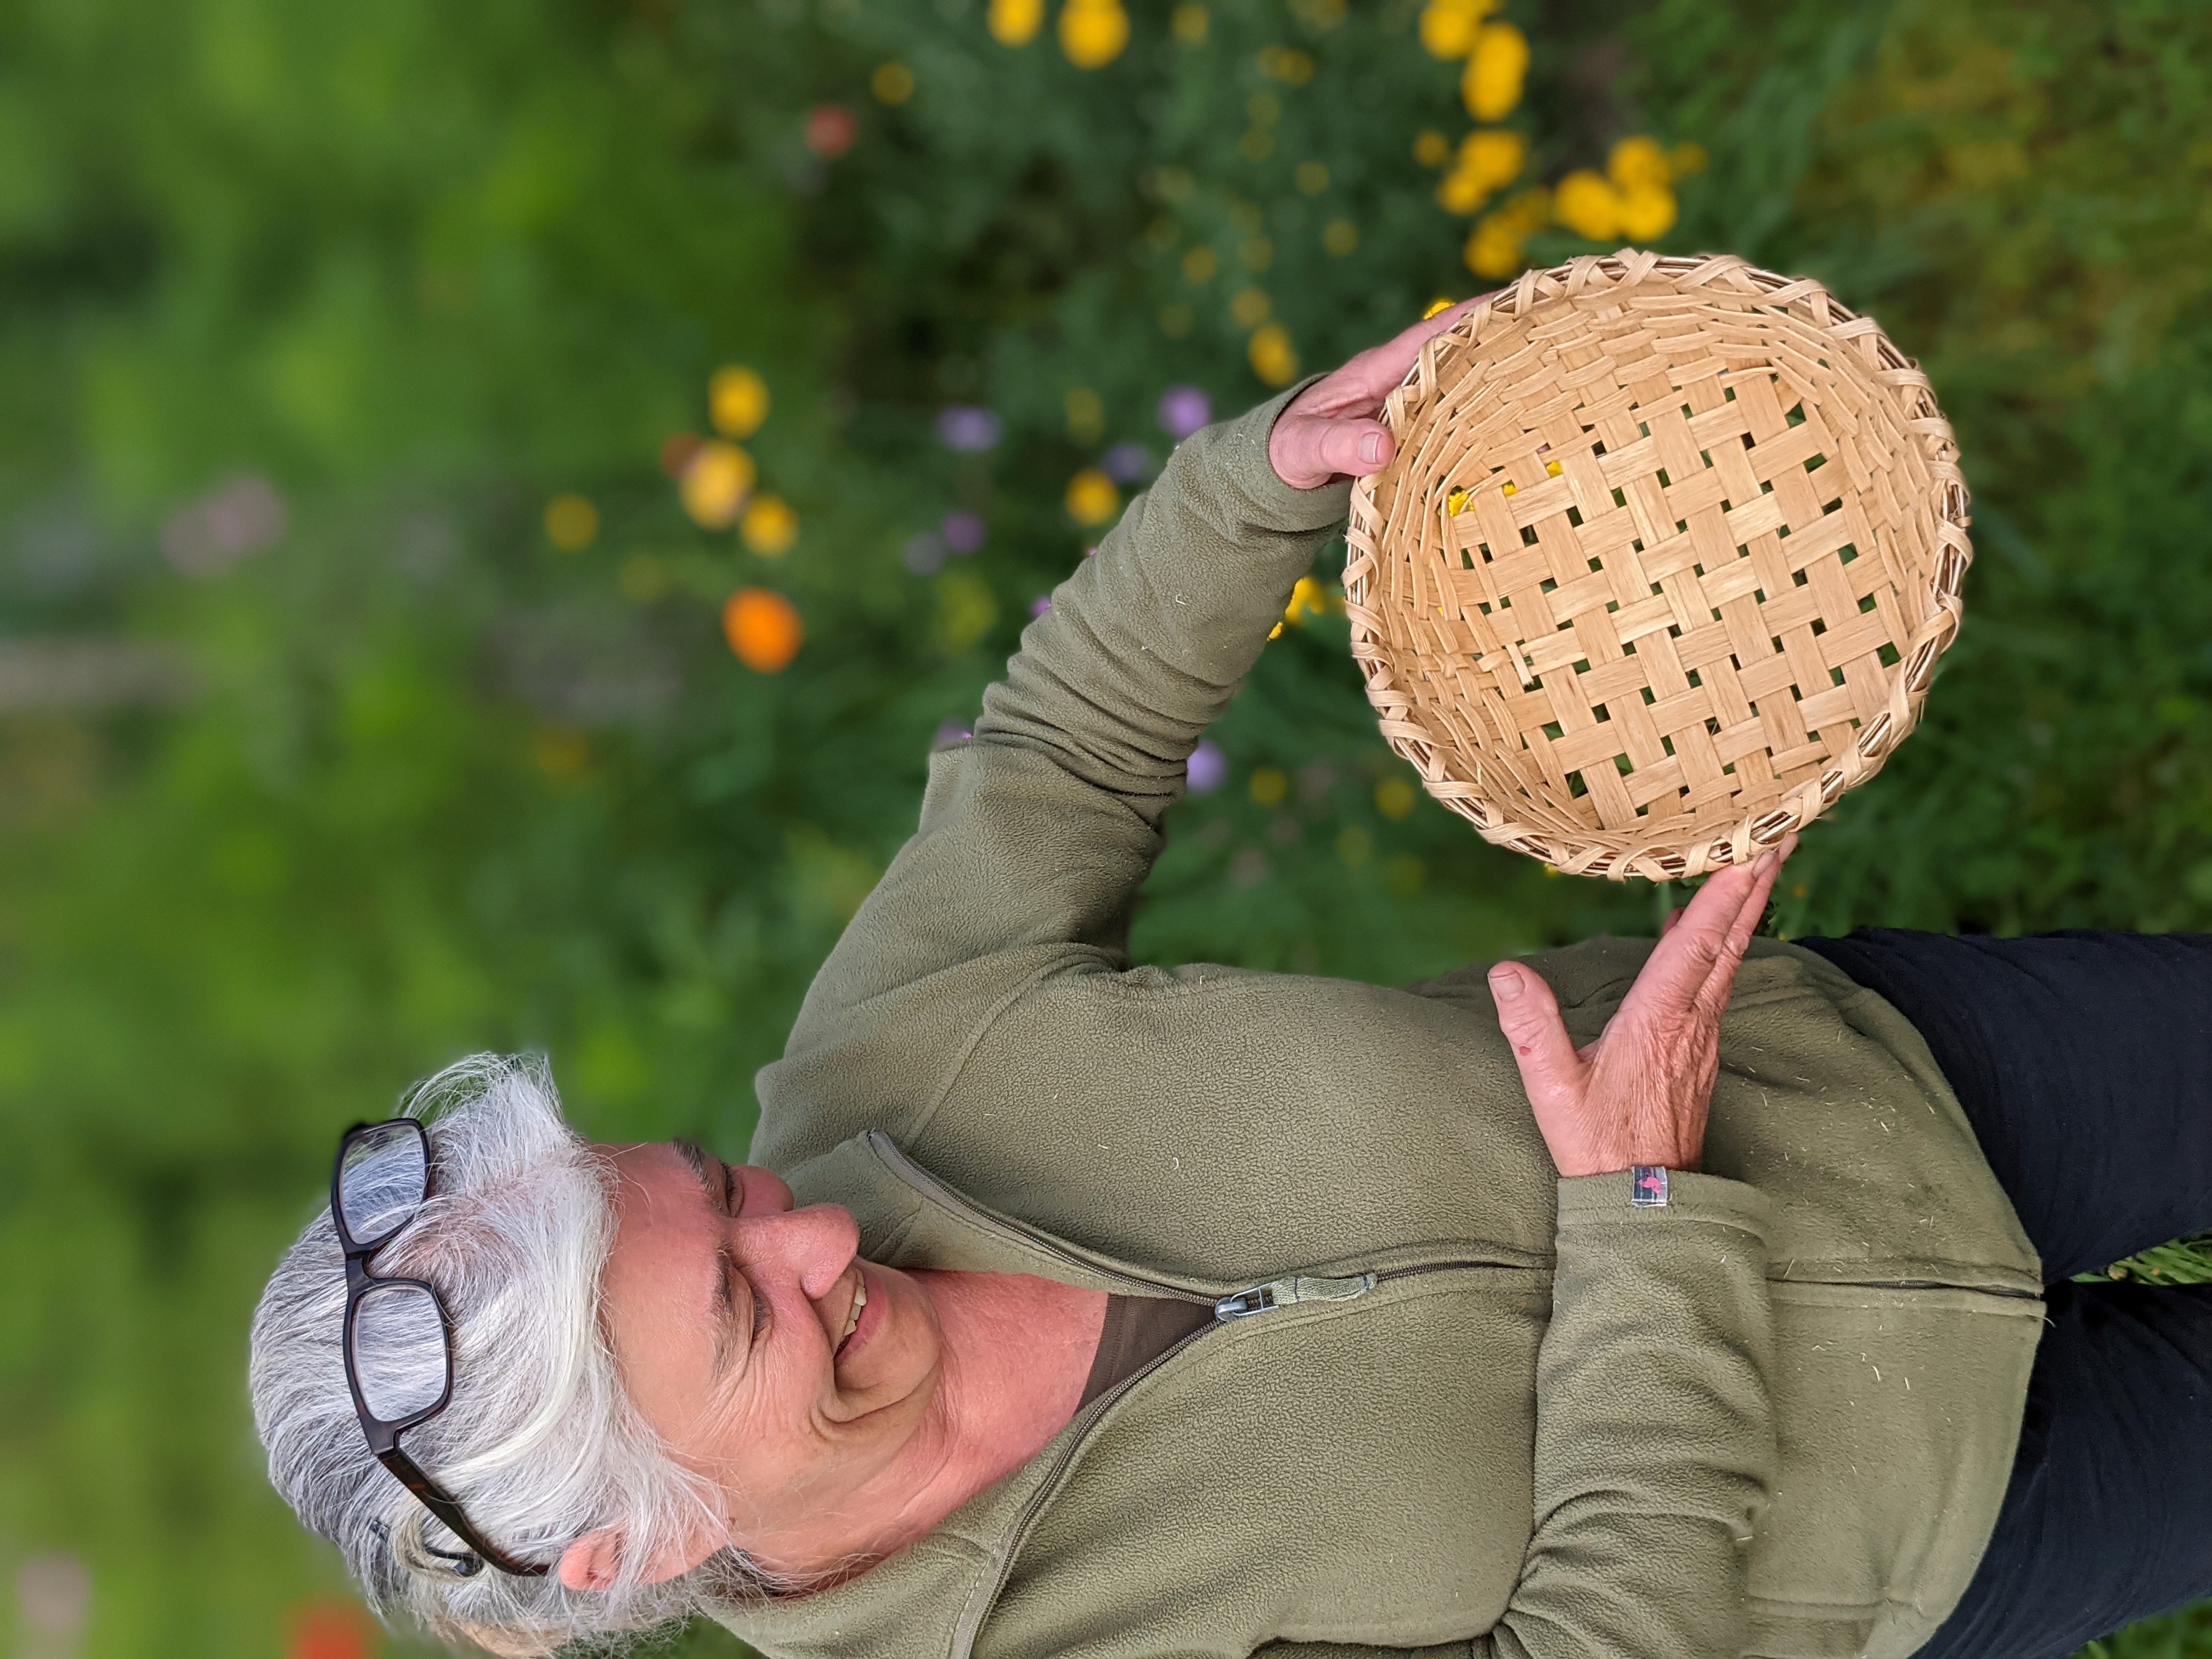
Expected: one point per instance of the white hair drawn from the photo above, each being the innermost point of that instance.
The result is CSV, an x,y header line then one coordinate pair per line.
x,y
540,1444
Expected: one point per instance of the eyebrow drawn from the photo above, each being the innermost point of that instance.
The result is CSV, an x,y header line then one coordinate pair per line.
x,y
712,1188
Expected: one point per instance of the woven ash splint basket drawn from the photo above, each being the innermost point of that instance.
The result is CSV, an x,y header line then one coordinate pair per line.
x,y
1662,566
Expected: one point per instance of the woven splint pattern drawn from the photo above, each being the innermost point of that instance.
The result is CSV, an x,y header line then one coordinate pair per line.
x,y
1662,565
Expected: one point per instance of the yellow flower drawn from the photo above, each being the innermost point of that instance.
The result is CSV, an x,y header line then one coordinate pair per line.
x,y
1312,177
1250,308
1288,64
1092,497
1587,205
1310,599
737,401
1431,148
1647,212
1199,264
1461,192
769,526
1274,359
892,84
1092,32
715,483
1340,237
1493,248
1190,24
1438,306
572,523
1638,161
1488,159
1493,155
1015,22
1448,26
1686,159
1491,85
1395,797
1268,786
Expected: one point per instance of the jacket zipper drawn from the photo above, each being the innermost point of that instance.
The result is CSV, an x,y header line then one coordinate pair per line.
x,y
1292,1291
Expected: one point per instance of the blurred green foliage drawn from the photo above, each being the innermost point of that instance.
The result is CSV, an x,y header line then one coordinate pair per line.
x,y
441,786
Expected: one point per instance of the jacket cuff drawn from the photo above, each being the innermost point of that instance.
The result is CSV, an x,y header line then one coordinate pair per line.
x,y
1239,460
1611,1199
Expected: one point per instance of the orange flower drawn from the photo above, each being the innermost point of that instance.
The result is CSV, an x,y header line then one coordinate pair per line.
x,y
762,628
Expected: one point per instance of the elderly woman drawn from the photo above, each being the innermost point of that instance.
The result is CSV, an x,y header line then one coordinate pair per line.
x,y
1067,1307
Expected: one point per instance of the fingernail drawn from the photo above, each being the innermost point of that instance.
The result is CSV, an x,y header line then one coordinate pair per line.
x,y
1370,446
1504,983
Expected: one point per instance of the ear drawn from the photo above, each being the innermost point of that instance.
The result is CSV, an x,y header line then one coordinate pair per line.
x,y
594,1561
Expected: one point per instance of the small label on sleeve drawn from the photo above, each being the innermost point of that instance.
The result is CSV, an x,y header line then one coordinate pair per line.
x,y
1648,1187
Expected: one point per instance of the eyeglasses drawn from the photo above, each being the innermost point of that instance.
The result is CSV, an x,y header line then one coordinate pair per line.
x,y
398,1337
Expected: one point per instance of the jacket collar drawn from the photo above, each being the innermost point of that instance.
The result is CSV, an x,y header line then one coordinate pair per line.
x,y
931,1596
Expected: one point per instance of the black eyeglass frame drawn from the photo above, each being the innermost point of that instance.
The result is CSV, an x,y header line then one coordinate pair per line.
x,y
383,1434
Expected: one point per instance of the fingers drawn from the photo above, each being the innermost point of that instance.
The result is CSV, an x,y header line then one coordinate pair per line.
x,y
1713,995
1711,933
1330,429
1551,1070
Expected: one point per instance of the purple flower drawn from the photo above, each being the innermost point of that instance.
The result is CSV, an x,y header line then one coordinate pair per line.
x,y
952,731
961,427
965,531
924,554
1183,409
1207,768
1126,463
1040,605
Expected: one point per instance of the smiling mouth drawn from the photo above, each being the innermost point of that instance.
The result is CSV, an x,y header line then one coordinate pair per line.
x,y
852,1315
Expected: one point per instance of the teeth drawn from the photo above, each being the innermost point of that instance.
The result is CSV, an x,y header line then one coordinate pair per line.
x,y
859,1301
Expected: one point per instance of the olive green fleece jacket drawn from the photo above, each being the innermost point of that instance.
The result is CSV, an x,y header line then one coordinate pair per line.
x,y
1450,1402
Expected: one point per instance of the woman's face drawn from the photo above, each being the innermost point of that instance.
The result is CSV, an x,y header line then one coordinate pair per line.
x,y
732,1316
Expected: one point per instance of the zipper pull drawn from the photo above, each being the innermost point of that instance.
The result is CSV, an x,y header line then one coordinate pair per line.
x,y
1282,1292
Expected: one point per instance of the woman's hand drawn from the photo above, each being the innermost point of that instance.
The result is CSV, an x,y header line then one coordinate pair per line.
x,y
1329,430
1639,1094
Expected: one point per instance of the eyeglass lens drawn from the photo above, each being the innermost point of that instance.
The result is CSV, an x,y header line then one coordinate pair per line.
x,y
382,1181
400,1357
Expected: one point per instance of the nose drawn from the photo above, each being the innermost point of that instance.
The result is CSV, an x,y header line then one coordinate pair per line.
x,y
812,1246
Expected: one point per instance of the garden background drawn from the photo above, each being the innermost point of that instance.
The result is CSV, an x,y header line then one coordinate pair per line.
x,y
374,493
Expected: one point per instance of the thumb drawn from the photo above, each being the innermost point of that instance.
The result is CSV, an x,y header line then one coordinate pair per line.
x,y
1357,447
1308,450
1550,1071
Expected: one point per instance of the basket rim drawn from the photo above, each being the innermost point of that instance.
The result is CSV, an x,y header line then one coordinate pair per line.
x,y
1617,855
